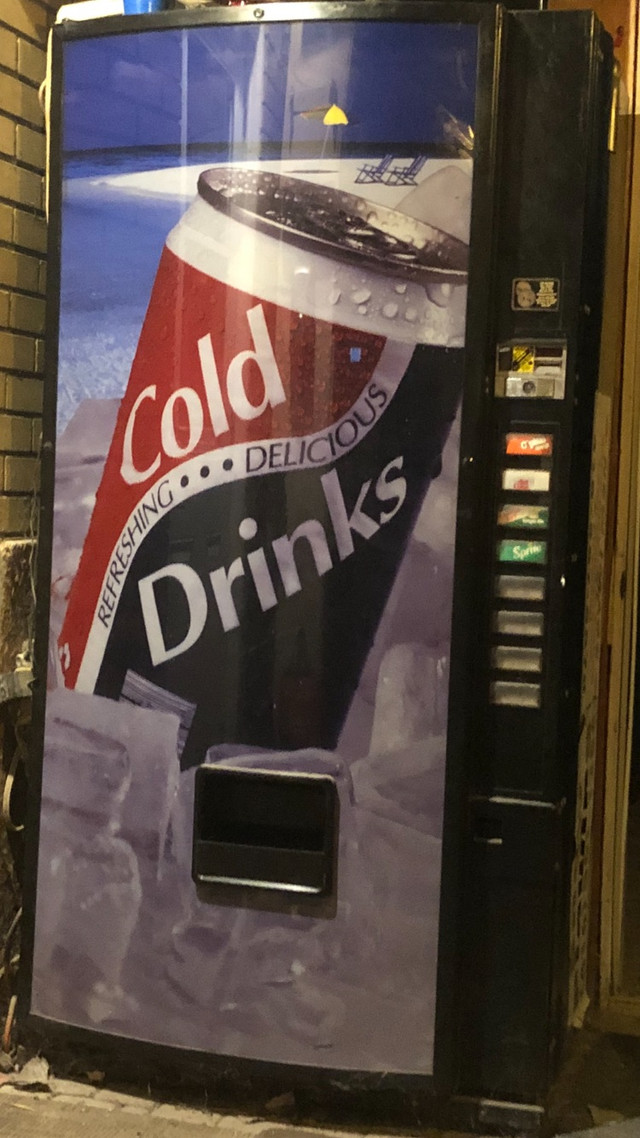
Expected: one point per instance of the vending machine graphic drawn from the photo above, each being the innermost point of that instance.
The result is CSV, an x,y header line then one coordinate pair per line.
x,y
310,440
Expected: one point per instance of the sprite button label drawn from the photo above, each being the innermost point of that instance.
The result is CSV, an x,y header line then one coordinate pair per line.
x,y
529,552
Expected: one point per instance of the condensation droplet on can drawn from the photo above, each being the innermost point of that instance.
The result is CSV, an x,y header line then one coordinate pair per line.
x,y
390,310
361,295
401,288
411,314
439,294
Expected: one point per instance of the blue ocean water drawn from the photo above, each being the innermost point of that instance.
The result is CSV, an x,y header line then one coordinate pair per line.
x,y
111,245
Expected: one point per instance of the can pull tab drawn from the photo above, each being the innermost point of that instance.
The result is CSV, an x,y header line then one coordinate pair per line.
x,y
488,832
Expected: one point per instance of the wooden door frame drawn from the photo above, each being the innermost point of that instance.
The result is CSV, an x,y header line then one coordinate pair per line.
x,y
617,1011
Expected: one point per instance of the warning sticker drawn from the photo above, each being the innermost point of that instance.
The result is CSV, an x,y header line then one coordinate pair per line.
x,y
522,358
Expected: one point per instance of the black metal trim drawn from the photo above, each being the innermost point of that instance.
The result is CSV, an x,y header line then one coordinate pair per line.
x,y
516,1016
467,642
352,10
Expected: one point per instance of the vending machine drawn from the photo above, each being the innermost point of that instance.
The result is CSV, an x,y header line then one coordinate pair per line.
x,y
323,326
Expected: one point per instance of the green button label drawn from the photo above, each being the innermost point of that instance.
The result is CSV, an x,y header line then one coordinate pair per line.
x,y
523,552
528,517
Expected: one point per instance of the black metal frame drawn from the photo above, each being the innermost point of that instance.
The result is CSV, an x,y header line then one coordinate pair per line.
x,y
409,1097
525,764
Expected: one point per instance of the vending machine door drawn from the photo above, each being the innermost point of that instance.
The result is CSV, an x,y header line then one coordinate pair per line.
x,y
261,256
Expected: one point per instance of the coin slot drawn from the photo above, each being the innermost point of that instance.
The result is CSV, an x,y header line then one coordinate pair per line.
x,y
532,370
514,658
530,387
515,694
265,830
514,623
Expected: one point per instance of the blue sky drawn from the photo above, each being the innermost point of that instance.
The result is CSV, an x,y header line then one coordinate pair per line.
x,y
250,83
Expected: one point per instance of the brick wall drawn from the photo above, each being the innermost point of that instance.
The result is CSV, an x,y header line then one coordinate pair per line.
x,y
23,32
23,35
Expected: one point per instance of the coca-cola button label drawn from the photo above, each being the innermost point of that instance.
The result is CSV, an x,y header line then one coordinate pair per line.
x,y
526,480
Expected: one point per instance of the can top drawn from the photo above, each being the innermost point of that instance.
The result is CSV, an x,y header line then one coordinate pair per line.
x,y
336,224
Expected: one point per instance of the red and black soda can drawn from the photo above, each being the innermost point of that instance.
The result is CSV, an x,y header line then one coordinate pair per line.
x,y
287,407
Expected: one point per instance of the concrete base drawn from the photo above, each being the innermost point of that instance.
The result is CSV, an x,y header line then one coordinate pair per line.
x,y
75,1110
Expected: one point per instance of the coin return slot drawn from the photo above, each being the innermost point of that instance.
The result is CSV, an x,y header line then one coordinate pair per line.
x,y
515,694
531,387
265,830
520,588
517,659
518,623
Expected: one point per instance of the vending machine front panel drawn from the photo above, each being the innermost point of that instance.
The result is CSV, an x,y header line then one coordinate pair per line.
x,y
264,237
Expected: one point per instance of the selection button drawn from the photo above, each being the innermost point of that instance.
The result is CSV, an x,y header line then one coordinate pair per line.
x,y
515,623
523,517
515,695
529,481
513,658
528,444
510,588
523,552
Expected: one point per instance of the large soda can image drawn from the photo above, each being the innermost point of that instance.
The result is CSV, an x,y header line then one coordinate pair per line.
x,y
263,289
285,414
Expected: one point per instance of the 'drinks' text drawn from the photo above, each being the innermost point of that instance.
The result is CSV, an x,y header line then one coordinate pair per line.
x,y
279,575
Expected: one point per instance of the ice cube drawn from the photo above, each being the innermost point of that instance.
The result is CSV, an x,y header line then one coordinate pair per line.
x,y
439,294
436,522
109,780
76,775
406,697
